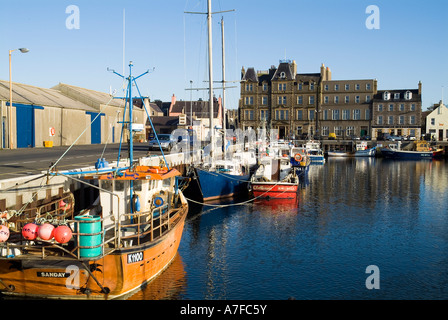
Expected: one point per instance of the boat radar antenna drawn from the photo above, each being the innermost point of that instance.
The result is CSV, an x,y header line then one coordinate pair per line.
x,y
129,104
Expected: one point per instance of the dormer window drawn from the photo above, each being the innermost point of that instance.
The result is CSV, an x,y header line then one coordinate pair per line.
x,y
282,75
396,96
408,95
386,95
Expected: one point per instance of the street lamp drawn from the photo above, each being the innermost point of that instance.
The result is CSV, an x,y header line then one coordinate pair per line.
x,y
22,50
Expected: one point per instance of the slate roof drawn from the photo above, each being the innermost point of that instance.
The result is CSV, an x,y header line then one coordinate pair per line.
x,y
415,96
199,108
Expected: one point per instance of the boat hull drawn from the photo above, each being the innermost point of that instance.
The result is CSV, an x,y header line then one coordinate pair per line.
x,y
119,274
215,185
407,155
274,190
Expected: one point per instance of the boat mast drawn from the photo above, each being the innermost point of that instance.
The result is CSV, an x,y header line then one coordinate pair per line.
x,y
223,85
210,76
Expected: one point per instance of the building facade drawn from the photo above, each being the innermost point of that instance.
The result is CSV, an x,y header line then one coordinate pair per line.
x,y
397,112
305,105
437,122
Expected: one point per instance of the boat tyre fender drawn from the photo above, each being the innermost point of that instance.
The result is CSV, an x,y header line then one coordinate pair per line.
x,y
298,157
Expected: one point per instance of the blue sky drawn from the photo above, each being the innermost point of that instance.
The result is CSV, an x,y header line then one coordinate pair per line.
x,y
409,47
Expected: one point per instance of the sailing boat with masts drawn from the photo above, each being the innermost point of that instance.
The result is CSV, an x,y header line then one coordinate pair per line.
x,y
229,176
107,252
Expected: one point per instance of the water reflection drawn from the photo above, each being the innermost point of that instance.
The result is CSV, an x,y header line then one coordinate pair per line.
x,y
350,214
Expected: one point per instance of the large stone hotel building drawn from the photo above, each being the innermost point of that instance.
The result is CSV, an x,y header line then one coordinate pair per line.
x,y
305,105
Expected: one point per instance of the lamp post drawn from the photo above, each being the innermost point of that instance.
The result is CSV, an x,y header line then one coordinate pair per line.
x,y
11,145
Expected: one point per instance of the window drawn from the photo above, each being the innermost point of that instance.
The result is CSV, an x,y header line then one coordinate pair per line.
x,y
300,86
349,131
249,87
401,120
390,120
311,115
281,114
368,98
326,100
368,86
367,114
299,100
338,131
345,114
311,100
325,115
380,107
265,87
282,100
386,95
391,107
248,115
412,120
264,101
357,99
413,107
408,95
347,87
401,107
282,86
335,115
379,120
347,99
336,99
326,87
325,131
396,96
299,115
336,87
357,87
356,114
249,100
311,86
433,121
264,115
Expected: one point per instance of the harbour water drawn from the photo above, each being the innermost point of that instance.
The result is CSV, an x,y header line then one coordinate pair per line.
x,y
350,214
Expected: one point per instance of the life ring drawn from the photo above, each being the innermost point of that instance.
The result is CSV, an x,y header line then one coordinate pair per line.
x,y
158,202
298,157
264,154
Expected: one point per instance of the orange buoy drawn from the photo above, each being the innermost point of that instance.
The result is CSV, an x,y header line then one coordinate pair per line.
x,y
62,234
4,233
29,231
298,157
46,231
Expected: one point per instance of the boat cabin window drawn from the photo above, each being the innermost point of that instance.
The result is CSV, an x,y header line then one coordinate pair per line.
x,y
166,182
119,185
138,185
107,185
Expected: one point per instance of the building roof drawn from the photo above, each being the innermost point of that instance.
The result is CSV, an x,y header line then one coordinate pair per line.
x,y
31,95
92,98
199,108
284,72
416,97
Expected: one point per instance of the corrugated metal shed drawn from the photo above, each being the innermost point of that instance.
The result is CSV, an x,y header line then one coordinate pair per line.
x,y
30,95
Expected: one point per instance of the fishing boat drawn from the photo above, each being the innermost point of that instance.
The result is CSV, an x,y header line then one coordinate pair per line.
x,y
419,150
224,178
300,161
314,152
361,150
107,251
274,179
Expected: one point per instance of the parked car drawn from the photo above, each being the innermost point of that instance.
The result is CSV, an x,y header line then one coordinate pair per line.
x,y
365,138
394,138
353,137
166,142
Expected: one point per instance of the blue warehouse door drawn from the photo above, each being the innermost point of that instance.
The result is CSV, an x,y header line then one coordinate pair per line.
x,y
95,127
25,126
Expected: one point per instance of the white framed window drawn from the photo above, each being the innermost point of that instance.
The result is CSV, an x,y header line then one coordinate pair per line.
x,y
345,114
249,87
412,120
265,86
325,130
325,115
380,107
326,87
379,120
335,115
299,115
282,86
408,95
368,98
264,100
391,108
299,100
367,114
413,107
390,120
336,99
336,87
326,100
396,96
300,86
347,87
347,99
357,87
368,86
311,86
248,115
311,100
357,99
356,114
311,115
401,120
249,100
350,131
264,115
402,107
338,131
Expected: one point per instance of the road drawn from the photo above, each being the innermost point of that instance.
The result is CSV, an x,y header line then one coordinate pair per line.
x,y
21,162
